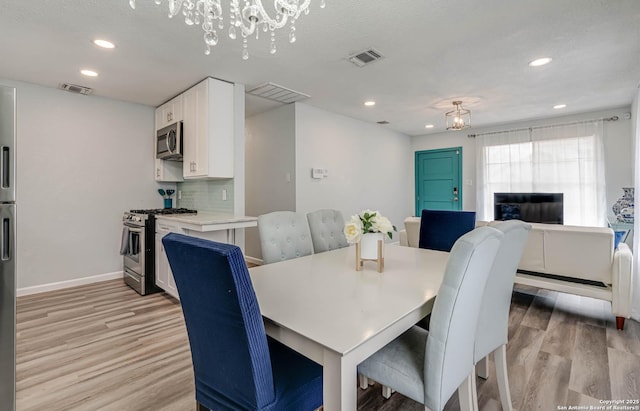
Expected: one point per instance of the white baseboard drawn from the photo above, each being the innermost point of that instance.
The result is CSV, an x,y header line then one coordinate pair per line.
x,y
36,289
253,260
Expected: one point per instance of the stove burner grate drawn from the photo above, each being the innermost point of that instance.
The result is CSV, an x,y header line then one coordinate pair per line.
x,y
155,211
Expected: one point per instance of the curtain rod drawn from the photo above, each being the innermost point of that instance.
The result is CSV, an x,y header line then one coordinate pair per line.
x,y
613,118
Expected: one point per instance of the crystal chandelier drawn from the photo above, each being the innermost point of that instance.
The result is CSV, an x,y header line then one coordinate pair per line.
x,y
243,21
458,118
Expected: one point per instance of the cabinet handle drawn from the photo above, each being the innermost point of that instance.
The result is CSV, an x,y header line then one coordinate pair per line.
x,y
157,172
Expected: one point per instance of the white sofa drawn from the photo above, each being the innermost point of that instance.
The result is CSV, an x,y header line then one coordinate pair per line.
x,y
570,259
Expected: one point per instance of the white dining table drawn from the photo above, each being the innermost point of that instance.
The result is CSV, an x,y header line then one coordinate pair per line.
x,y
320,306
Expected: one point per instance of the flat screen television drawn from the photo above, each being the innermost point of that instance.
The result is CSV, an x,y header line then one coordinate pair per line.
x,y
529,207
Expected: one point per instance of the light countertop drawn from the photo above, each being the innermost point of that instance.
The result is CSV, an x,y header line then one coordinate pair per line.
x,y
209,221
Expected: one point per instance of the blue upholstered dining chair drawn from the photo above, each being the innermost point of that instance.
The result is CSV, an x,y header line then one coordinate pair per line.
x,y
327,230
284,235
439,229
428,366
236,366
493,321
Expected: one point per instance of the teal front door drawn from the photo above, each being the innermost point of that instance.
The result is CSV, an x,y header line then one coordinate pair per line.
x,y
438,179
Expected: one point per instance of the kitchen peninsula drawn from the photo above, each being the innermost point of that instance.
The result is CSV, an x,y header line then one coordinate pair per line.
x,y
213,226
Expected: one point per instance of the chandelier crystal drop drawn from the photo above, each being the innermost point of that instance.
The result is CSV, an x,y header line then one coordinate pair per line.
x,y
243,21
458,118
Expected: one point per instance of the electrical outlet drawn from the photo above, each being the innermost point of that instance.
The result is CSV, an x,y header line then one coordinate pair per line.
x,y
179,194
224,194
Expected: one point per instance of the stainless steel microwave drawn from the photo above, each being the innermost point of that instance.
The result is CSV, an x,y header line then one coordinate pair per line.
x,y
169,142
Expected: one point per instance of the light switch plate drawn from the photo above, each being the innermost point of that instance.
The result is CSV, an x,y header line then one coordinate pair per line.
x,y
317,173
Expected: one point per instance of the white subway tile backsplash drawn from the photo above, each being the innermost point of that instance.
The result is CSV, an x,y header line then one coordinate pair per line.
x,y
207,195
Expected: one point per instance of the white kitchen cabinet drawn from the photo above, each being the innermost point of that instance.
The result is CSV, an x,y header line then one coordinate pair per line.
x,y
208,130
169,113
220,227
168,171
164,275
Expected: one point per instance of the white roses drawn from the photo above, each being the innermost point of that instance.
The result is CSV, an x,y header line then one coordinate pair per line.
x,y
367,221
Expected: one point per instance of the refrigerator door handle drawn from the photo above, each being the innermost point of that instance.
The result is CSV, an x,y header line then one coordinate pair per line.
x,y
5,167
5,240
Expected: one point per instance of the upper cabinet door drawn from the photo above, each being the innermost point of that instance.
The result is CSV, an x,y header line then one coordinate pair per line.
x,y
169,113
208,130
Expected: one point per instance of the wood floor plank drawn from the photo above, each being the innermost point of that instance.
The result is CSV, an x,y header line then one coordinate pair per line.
x,y
522,354
575,399
104,347
546,388
624,372
588,376
540,310
595,312
627,340
561,330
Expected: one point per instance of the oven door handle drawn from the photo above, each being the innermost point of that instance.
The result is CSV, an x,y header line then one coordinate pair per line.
x,y
134,229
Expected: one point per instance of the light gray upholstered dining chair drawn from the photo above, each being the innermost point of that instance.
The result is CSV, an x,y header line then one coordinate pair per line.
x,y
428,366
327,230
284,235
493,321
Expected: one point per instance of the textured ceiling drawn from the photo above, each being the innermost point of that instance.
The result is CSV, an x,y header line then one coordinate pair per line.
x,y
435,51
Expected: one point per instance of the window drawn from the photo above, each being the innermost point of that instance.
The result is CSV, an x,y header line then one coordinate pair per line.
x,y
560,159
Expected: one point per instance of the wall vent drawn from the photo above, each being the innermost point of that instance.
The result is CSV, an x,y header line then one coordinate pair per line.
x,y
365,57
73,88
277,93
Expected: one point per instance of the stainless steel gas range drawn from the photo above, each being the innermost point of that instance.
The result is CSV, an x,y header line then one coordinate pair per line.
x,y
138,249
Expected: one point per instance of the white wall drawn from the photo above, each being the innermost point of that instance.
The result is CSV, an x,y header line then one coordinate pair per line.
x,y
368,165
81,162
269,168
618,146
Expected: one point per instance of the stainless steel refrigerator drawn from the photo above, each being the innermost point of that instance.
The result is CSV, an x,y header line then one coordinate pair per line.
x,y
7,248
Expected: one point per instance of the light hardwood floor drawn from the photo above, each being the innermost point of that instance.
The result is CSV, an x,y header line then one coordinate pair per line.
x,y
104,347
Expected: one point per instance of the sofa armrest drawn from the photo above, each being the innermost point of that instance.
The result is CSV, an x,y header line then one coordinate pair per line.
x,y
403,238
622,281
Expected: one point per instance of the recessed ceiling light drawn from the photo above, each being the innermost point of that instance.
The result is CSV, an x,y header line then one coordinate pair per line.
x,y
559,106
429,126
369,103
104,44
89,73
540,62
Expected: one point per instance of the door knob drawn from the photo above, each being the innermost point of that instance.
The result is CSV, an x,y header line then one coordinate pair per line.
x,y
455,198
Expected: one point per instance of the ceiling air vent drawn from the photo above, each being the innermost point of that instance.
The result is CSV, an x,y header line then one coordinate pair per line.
x,y
382,122
277,93
365,57
73,88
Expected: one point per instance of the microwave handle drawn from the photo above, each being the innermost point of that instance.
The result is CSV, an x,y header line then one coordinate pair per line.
x,y
171,134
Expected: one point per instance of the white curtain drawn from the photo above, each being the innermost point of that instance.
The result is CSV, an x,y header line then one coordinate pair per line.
x,y
565,159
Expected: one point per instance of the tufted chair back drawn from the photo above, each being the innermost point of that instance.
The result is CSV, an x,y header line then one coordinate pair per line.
x,y
284,235
327,230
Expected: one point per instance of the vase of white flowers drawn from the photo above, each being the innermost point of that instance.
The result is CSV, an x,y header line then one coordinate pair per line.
x,y
367,231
